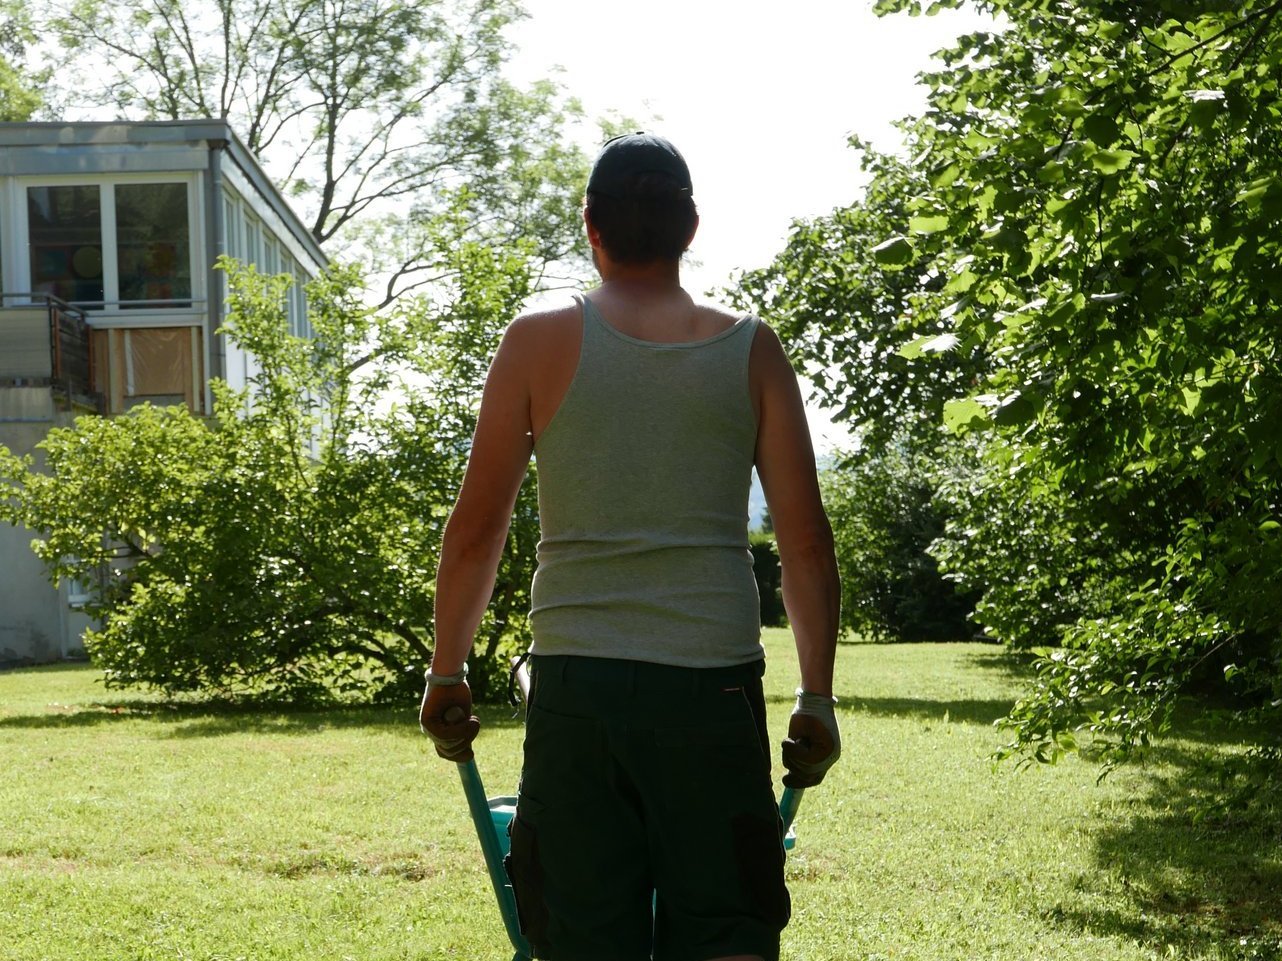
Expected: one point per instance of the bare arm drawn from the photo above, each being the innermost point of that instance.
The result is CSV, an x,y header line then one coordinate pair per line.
x,y
477,529
785,463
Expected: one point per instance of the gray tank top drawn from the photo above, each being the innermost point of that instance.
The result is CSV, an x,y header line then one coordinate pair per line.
x,y
644,473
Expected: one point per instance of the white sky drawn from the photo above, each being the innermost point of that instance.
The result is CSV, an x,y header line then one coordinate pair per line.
x,y
760,97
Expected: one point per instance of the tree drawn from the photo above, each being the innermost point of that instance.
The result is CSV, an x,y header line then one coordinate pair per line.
x,y
885,518
1079,271
387,120
853,309
288,547
19,88
1106,173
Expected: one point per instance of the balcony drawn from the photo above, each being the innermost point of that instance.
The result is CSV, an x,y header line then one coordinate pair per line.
x,y
44,343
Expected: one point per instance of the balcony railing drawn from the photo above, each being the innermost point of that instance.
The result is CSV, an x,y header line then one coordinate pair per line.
x,y
44,342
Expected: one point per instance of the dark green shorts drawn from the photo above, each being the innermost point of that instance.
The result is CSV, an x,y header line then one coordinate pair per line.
x,y
646,825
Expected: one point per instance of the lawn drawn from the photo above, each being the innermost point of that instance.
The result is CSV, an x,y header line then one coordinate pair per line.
x,y
133,829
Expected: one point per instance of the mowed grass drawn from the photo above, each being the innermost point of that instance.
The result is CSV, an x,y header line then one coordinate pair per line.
x,y
132,829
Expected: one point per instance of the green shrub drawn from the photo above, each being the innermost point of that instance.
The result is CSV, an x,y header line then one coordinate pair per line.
x,y
765,566
885,518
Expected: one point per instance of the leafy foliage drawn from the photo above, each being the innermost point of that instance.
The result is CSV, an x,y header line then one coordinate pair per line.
x,y
853,309
765,567
1033,564
885,517
1115,206
1079,271
19,87
287,547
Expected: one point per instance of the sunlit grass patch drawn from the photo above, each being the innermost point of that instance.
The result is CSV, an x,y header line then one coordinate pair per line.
x,y
134,829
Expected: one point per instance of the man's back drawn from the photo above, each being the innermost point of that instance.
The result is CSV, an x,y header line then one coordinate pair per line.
x,y
644,473
550,340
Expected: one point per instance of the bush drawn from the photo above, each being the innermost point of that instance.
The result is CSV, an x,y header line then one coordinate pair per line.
x,y
885,517
765,567
286,548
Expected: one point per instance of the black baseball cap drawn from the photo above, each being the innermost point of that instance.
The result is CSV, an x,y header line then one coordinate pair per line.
x,y
636,153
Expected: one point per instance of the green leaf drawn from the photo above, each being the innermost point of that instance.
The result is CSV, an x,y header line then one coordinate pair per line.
x,y
1254,192
1101,129
898,251
946,176
928,344
1014,411
961,282
1112,161
912,349
930,224
964,415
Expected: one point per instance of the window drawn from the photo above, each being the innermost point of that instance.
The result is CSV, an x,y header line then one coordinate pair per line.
x,y
253,240
153,250
295,300
105,246
232,225
64,225
78,593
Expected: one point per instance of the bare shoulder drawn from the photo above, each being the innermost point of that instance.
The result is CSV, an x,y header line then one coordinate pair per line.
x,y
715,315
536,337
769,359
547,343
534,324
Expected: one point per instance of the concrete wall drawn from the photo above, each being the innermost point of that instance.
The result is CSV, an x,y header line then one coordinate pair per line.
x,y
36,624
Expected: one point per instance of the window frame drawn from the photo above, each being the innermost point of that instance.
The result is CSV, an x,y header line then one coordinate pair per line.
x,y
111,311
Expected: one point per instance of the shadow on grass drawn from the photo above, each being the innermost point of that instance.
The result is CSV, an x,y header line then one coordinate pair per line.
x,y
993,657
1197,879
195,720
981,711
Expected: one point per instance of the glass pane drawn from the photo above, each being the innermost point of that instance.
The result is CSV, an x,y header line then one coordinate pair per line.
x,y
64,231
253,242
153,248
231,226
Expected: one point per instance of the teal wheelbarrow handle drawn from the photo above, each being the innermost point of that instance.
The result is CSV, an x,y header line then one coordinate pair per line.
x,y
488,835
788,804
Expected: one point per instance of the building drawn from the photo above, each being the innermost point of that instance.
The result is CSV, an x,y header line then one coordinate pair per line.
x,y
109,298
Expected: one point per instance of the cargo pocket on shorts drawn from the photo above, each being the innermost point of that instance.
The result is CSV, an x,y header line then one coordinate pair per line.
x,y
526,874
759,852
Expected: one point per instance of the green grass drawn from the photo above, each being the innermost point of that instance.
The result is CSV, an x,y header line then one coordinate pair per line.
x,y
132,829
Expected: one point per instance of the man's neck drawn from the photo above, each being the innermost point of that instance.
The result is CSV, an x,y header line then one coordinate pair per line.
x,y
658,277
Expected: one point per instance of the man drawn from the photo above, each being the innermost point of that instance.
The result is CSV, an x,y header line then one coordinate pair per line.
x,y
647,774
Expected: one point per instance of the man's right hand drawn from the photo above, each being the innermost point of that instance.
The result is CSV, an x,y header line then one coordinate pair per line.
x,y
446,717
813,744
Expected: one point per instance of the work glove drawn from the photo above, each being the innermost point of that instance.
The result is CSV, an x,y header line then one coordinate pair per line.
x,y
813,744
446,715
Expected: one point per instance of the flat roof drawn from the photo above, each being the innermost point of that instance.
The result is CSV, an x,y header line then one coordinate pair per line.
x,y
212,133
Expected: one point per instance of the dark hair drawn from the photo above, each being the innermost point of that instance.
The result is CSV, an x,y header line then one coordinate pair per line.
x,y
651,219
